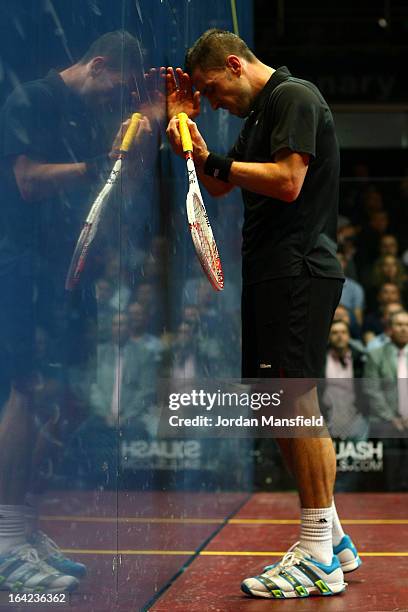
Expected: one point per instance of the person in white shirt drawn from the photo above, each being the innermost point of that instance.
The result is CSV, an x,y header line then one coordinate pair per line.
x,y
341,396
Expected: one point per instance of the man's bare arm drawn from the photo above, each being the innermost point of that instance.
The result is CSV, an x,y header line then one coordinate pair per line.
x,y
36,180
281,179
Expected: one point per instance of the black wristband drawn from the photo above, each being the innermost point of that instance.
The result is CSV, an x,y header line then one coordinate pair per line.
x,y
218,166
99,166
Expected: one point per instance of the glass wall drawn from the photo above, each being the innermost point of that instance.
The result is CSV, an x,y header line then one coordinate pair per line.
x,y
86,339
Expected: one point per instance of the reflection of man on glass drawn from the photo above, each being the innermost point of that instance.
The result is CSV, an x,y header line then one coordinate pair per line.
x,y
286,162
54,155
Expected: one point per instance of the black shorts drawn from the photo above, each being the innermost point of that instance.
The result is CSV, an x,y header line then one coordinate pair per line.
x,y
286,324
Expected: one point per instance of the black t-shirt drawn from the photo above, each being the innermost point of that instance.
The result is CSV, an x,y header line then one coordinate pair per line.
x,y
49,123
46,121
280,237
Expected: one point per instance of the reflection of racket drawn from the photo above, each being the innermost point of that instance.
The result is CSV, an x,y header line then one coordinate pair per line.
x,y
91,224
198,222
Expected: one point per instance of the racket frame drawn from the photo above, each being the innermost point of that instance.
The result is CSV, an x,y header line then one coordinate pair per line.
x,y
91,223
211,266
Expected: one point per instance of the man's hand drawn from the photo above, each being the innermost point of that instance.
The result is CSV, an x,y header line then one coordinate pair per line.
x,y
143,131
200,150
179,94
155,108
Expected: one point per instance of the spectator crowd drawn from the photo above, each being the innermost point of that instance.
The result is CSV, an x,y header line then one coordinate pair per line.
x,y
150,326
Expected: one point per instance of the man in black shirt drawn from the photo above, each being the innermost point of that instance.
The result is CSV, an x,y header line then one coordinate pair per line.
x,y
54,158
286,161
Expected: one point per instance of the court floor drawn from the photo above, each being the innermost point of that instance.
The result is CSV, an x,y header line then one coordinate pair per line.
x,y
189,551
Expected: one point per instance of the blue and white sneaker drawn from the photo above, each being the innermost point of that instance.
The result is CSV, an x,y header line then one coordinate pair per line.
x,y
347,554
297,575
51,553
22,571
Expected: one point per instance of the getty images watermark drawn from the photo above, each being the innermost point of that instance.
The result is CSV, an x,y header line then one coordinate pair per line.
x,y
241,402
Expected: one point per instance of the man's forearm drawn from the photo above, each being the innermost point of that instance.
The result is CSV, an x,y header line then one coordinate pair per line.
x,y
268,179
281,179
263,178
214,187
37,180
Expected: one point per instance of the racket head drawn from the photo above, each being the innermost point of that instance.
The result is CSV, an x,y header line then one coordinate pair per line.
x,y
79,257
90,227
203,239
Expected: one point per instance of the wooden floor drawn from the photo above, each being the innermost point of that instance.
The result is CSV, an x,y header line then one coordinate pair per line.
x,y
266,526
188,552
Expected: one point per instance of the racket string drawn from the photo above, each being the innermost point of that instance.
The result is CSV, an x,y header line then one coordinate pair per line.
x,y
206,239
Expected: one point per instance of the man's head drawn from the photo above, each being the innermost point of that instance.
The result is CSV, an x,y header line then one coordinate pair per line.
x,y
145,295
191,315
379,220
222,68
184,336
389,311
388,292
110,65
104,291
389,267
137,318
388,245
342,314
399,329
339,336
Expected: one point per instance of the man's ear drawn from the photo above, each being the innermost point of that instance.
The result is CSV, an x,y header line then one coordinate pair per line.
x,y
234,63
97,64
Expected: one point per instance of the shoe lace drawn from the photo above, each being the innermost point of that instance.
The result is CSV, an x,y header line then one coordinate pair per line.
x,y
289,559
47,544
28,553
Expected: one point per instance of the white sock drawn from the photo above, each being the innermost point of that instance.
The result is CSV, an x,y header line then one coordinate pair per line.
x,y
338,532
12,527
316,533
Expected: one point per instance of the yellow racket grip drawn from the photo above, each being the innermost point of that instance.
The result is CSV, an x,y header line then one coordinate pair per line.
x,y
130,133
185,132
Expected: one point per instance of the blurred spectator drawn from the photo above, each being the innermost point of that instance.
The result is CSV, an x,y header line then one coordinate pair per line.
x,y
124,377
352,296
347,235
344,314
368,243
187,357
388,311
372,200
105,310
388,269
388,245
191,315
374,321
388,402
210,319
138,331
227,301
341,397
149,297
121,394
118,275
153,270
